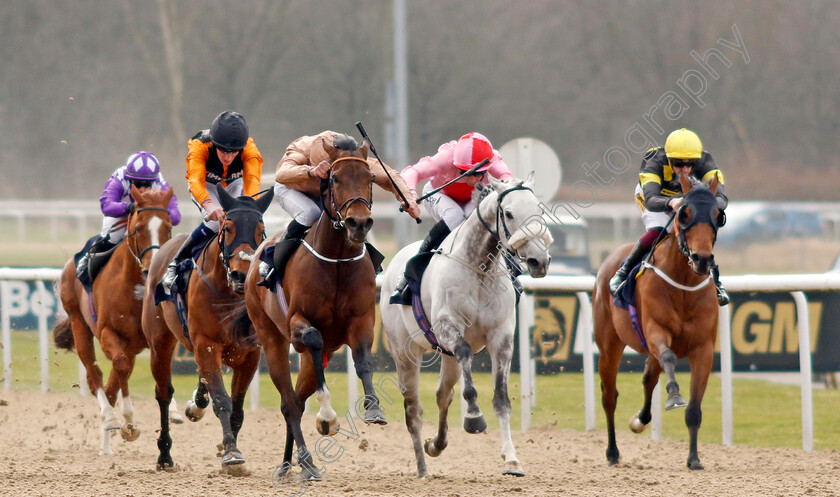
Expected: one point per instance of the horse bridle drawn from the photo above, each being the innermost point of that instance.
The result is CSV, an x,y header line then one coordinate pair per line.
x,y
328,190
499,218
139,257
713,220
225,250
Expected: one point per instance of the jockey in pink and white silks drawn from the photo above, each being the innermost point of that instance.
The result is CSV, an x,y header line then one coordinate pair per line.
x,y
451,205
142,170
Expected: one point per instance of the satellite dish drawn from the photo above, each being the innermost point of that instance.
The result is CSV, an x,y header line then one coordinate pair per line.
x,y
524,155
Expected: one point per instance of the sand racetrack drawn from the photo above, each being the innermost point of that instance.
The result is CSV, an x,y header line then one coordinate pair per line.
x,y
50,445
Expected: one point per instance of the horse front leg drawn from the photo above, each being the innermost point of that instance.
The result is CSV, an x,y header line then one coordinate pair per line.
x,y
208,356
199,401
611,350
326,420
364,370
659,342
446,383
474,421
242,376
650,378
408,371
501,351
701,362
122,366
276,351
161,365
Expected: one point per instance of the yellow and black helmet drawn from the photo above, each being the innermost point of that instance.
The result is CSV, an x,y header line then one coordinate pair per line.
x,y
683,144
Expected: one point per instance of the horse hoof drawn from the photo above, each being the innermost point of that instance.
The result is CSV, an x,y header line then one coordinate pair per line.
x,y
129,433
233,458
309,474
475,425
111,424
193,412
636,426
431,449
328,428
375,417
695,465
513,468
166,466
675,402
176,418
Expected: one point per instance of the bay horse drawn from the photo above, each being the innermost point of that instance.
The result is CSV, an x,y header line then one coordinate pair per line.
x,y
214,301
112,311
325,299
677,309
469,299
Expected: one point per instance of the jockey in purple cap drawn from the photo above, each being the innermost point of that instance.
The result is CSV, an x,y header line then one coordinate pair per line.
x,y
141,170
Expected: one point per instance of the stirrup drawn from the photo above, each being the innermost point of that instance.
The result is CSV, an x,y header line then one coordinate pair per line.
x,y
82,266
617,282
399,296
722,296
170,275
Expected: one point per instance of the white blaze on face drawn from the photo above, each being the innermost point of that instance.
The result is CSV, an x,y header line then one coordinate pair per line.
x,y
154,232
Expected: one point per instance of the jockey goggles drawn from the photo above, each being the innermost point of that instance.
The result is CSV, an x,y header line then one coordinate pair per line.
x,y
228,150
677,163
142,183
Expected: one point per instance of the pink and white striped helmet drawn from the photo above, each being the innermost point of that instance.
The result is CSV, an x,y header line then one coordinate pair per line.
x,y
142,166
471,149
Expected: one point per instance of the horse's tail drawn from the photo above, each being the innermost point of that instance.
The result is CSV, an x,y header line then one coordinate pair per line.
x,y
63,335
242,330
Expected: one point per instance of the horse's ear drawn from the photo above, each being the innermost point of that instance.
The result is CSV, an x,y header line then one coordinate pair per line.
x,y
264,201
713,185
529,181
167,197
495,183
135,193
364,149
328,148
685,183
225,198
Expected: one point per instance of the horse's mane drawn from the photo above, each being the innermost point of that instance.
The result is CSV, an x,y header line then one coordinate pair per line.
x,y
480,192
344,142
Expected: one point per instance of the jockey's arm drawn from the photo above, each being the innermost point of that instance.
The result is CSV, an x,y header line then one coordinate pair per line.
x,y
111,200
293,168
381,179
655,201
252,163
197,170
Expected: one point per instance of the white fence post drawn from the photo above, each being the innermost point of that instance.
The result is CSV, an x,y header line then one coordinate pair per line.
x,y
526,321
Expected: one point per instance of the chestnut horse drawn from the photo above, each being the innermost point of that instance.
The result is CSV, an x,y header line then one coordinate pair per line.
x,y
329,286
677,310
214,302
112,311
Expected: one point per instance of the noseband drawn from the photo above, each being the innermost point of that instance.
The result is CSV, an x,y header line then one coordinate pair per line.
x,y
703,211
139,257
328,191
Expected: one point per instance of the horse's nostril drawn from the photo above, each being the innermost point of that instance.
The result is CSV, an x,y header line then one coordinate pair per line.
x,y
368,224
533,262
351,223
695,258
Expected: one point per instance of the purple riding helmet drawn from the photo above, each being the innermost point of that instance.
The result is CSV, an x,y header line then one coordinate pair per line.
x,y
142,166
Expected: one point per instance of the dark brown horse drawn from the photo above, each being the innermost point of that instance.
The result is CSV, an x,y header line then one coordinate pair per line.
x,y
329,288
214,302
112,311
678,312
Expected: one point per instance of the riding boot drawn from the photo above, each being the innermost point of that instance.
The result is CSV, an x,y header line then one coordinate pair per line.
x,y
295,230
196,238
722,296
633,258
97,245
432,241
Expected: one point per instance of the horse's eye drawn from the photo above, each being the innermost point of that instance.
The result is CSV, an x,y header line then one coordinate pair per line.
x,y
508,216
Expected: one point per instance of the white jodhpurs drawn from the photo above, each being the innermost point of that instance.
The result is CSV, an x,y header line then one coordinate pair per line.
x,y
235,190
302,208
442,206
650,219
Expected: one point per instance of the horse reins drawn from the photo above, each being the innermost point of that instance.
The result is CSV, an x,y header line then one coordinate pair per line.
x,y
224,253
499,218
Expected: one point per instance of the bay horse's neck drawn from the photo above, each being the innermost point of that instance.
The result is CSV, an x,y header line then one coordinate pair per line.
x,y
331,242
210,263
668,257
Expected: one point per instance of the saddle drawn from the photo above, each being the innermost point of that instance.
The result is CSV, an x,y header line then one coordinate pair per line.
x,y
96,262
277,256
414,270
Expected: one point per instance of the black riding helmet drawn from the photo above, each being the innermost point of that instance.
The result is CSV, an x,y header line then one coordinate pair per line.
x,y
229,131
